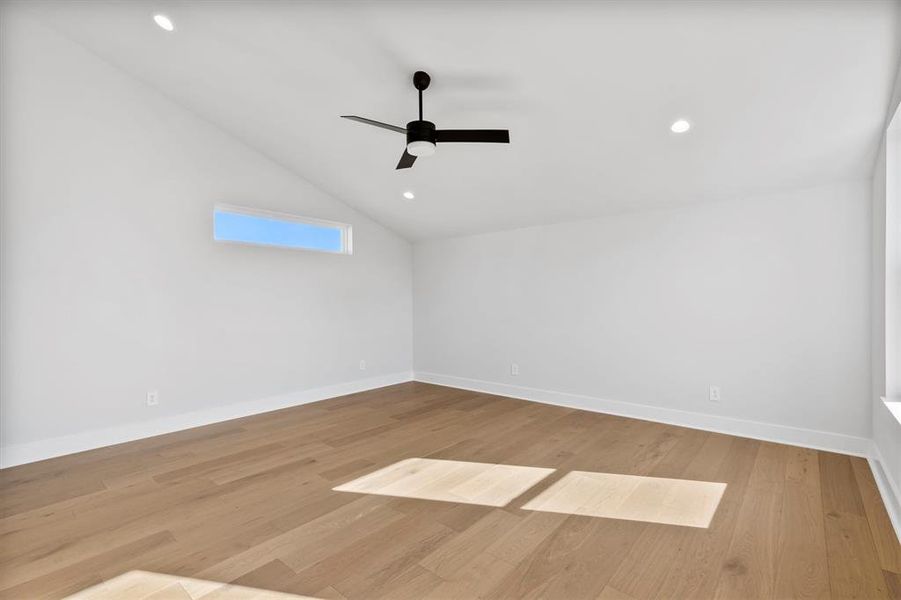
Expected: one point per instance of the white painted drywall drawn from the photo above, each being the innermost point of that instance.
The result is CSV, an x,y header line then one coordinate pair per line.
x,y
112,284
766,297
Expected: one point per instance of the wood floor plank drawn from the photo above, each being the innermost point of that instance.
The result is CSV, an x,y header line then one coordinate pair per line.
x,y
893,583
251,502
696,569
449,558
377,559
478,577
611,593
91,569
643,572
565,565
274,575
803,568
854,570
751,564
887,546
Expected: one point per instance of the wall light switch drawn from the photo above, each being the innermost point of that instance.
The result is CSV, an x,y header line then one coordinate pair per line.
x,y
715,395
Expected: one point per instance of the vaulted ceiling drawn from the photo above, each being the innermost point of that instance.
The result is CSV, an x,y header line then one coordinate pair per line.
x,y
780,94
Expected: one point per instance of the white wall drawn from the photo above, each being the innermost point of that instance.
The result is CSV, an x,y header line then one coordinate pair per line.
x,y
113,286
767,297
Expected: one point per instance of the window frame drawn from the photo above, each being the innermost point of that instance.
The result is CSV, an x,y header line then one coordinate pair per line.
x,y
345,228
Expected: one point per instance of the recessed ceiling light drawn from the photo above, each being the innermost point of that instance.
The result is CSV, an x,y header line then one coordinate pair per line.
x,y
164,22
409,195
680,126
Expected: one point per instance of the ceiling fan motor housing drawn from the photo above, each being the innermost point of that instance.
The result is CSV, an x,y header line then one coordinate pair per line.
x,y
421,131
421,138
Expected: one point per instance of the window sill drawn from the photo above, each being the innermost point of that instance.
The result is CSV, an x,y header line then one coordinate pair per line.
x,y
894,406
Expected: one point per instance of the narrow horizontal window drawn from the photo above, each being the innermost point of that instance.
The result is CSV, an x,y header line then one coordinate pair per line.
x,y
264,228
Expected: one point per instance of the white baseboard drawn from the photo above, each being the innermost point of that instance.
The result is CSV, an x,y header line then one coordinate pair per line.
x,y
18,454
888,489
770,432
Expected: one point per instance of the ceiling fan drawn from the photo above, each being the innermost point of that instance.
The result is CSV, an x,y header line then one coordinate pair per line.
x,y
422,136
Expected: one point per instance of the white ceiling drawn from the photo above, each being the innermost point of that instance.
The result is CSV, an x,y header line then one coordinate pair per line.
x,y
781,94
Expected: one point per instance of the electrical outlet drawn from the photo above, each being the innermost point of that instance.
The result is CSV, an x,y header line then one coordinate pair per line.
x,y
514,369
715,395
153,398
362,365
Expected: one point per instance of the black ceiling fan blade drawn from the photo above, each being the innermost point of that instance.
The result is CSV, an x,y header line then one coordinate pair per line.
x,y
406,161
495,136
376,123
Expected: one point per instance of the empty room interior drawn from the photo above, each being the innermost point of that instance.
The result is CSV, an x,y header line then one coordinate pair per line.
x,y
349,300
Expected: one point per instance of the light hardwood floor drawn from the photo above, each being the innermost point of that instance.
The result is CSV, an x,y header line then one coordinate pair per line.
x,y
252,502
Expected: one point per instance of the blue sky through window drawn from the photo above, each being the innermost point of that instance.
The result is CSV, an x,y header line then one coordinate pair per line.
x,y
272,231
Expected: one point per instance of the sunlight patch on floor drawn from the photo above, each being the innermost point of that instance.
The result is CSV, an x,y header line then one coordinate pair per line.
x,y
140,585
632,498
449,481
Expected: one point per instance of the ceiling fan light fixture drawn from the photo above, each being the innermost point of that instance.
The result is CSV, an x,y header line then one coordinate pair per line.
x,y
421,148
